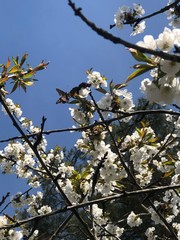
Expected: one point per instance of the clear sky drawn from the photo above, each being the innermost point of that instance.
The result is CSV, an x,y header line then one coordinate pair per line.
x,y
48,30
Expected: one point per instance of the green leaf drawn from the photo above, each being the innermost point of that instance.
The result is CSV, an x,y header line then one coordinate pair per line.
x,y
89,71
101,90
8,64
84,146
15,61
4,79
111,86
139,132
28,83
153,140
168,163
140,57
119,187
74,102
120,85
149,136
168,174
118,139
85,174
23,59
29,74
16,84
14,69
143,124
141,68
41,66
23,87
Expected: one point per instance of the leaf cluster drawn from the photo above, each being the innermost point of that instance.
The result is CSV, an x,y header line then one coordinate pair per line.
x,y
20,76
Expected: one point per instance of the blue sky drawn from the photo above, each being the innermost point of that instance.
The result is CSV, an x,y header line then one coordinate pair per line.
x,y
48,30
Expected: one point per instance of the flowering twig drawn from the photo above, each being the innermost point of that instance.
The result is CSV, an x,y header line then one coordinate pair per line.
x,y
96,201
162,10
117,40
113,140
26,192
96,173
163,220
4,198
39,134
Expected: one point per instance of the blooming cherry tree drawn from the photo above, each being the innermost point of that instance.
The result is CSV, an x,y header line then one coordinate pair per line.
x,y
133,164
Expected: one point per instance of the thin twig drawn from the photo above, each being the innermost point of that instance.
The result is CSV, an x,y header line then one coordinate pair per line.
x,y
61,226
39,134
4,198
162,10
91,126
26,192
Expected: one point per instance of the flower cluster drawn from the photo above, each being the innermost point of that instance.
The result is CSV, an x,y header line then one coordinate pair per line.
x,y
150,233
115,100
109,229
165,87
8,234
14,108
133,220
173,15
127,15
96,80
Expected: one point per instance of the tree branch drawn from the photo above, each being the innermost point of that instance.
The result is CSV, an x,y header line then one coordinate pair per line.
x,y
117,40
162,10
61,226
96,201
80,129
